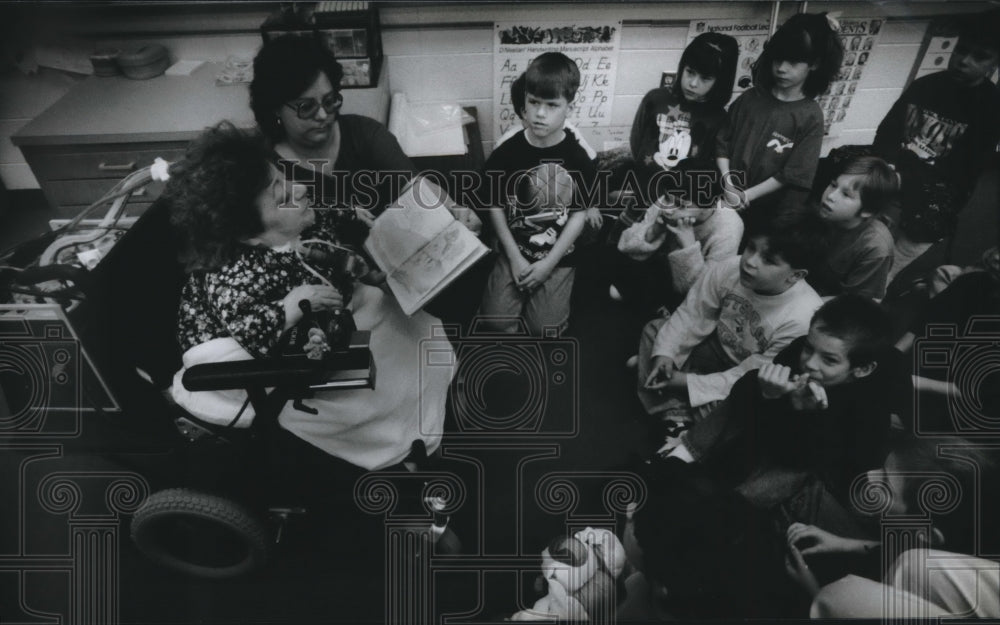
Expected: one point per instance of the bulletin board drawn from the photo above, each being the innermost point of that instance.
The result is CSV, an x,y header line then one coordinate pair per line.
x,y
593,45
749,34
859,37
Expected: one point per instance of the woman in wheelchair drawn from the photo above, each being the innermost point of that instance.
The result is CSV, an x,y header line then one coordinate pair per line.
x,y
243,226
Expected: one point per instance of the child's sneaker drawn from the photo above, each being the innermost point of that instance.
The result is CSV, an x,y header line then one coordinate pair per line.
x,y
614,293
632,362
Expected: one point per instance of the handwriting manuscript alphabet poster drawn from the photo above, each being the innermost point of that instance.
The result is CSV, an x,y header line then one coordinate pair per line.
x,y
594,47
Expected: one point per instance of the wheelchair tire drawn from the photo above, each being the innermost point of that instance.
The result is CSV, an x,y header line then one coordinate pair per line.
x,y
200,534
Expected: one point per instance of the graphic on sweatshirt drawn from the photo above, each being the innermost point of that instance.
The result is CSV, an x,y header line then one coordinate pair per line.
x,y
739,328
540,207
930,135
675,137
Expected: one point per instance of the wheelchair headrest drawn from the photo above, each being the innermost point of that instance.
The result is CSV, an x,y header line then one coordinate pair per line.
x,y
129,318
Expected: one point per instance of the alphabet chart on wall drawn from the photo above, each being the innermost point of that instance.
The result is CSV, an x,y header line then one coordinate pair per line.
x,y
593,45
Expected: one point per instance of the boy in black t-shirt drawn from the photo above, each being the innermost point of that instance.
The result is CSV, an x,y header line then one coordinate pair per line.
x,y
535,184
940,135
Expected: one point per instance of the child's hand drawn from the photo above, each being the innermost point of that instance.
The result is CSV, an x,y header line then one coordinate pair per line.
x,y
777,381
815,540
535,275
733,197
799,572
812,396
518,265
661,371
683,231
594,218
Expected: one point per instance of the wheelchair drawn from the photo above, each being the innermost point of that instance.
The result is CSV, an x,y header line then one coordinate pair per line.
x,y
221,497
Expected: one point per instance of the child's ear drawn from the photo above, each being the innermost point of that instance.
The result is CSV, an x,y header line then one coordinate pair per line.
x,y
864,370
797,274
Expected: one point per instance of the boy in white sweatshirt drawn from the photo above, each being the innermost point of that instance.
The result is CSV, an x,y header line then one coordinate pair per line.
x,y
737,315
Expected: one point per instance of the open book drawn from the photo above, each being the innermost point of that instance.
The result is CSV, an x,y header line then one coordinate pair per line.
x,y
420,245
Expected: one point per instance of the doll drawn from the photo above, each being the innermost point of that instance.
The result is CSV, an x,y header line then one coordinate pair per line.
x,y
581,572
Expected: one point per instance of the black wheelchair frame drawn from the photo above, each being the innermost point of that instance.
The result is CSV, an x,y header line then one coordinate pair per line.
x,y
221,496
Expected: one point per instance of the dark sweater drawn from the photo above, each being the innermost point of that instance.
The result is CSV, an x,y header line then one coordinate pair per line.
x,y
662,114
370,170
847,439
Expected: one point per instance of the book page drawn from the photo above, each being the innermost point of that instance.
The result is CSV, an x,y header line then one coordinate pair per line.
x,y
420,245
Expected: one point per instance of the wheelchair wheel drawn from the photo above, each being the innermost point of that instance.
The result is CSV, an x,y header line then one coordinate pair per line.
x,y
200,534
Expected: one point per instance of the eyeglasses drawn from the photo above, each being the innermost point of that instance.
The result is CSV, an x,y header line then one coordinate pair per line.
x,y
307,108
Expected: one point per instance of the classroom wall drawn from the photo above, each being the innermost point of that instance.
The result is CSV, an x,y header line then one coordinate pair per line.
x,y
438,57
443,53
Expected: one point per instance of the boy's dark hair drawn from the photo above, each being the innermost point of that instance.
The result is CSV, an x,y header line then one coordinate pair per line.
x,y
859,322
517,95
967,464
981,30
879,183
714,55
552,75
808,38
798,236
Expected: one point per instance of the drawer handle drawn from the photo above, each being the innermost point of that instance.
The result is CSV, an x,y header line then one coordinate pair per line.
x,y
124,167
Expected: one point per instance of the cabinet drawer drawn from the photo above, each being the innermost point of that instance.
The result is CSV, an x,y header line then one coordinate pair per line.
x,y
84,192
93,162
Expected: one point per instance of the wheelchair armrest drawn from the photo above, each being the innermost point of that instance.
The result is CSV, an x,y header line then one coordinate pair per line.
x,y
351,367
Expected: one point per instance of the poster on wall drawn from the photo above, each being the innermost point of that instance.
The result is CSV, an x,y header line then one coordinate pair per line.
x,y
594,47
749,34
860,39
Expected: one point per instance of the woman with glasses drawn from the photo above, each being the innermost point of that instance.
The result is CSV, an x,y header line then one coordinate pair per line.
x,y
347,161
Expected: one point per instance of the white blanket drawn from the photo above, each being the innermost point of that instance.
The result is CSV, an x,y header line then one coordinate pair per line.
x,y
218,407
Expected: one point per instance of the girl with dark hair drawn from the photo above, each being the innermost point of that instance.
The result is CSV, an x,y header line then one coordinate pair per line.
x,y
665,245
674,128
769,151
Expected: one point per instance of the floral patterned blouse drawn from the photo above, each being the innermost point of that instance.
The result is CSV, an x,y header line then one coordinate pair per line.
x,y
244,298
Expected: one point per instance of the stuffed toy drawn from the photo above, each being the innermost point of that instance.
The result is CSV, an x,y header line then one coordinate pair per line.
x,y
580,572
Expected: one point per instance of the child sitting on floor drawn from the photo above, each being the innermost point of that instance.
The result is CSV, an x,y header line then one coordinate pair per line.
x,y
860,253
823,406
737,316
923,582
680,241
